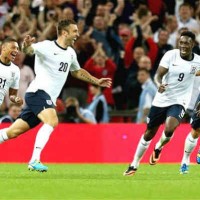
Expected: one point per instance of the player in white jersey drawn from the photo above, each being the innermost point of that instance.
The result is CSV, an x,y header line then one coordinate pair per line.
x,y
191,139
10,74
174,79
53,61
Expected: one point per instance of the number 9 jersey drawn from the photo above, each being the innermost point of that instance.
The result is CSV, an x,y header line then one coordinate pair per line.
x,y
9,78
179,79
52,65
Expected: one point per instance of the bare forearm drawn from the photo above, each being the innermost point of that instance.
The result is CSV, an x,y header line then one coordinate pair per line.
x,y
85,76
157,80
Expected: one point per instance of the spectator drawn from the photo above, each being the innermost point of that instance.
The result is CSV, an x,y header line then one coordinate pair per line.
x,y
13,112
133,87
98,106
144,41
172,27
4,7
146,97
185,18
26,75
99,33
76,114
100,65
163,47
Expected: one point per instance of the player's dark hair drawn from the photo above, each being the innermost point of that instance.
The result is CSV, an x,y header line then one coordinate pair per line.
x,y
8,40
188,34
63,24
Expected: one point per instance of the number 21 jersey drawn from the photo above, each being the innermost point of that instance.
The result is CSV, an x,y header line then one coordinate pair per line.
x,y
9,78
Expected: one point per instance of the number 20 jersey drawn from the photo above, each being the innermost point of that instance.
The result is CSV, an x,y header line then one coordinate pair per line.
x,y
9,78
52,65
179,79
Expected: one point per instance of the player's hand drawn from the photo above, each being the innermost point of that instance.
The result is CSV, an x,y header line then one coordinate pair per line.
x,y
162,88
198,109
16,100
19,101
28,40
105,82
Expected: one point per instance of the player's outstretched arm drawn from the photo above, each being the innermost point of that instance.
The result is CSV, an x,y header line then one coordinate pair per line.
x,y
161,71
14,98
198,73
26,45
86,76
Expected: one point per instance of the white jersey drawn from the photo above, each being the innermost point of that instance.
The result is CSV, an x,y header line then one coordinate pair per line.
x,y
52,66
9,78
180,79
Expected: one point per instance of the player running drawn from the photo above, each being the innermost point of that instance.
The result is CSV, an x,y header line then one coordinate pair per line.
x,y
53,61
174,79
10,73
191,139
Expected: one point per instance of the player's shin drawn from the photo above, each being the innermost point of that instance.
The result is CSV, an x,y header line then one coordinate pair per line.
x,y
41,140
3,135
141,148
163,140
190,144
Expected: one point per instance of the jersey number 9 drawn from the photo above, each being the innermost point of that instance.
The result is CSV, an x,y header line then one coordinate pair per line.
x,y
181,76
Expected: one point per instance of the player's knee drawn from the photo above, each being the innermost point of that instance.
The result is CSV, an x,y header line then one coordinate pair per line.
x,y
196,133
13,133
169,132
149,134
53,122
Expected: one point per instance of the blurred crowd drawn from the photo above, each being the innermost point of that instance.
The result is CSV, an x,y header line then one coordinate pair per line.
x,y
120,39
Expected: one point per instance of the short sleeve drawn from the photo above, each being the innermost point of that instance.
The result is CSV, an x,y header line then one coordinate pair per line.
x,y
15,83
166,59
39,47
75,64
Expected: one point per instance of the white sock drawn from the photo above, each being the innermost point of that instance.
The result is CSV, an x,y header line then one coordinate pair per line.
x,y
41,140
3,135
141,148
190,144
163,140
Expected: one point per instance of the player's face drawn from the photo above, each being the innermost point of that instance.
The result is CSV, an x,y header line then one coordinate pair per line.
x,y
10,50
185,45
72,34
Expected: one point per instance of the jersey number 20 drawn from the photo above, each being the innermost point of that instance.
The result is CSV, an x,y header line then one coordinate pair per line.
x,y
2,82
181,76
63,67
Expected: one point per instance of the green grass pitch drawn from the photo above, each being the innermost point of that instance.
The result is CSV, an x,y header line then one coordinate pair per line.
x,y
99,181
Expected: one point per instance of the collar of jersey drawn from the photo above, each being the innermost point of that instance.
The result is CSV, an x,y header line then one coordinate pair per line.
x,y
189,60
5,63
59,45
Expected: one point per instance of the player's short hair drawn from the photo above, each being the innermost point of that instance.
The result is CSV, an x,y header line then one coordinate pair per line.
x,y
63,24
188,34
8,40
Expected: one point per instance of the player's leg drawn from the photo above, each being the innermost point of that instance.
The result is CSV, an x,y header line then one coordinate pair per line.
x,y
155,118
175,114
44,110
50,120
190,144
18,127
